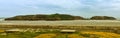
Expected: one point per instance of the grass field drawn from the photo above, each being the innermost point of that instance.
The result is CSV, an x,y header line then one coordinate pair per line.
x,y
82,34
51,29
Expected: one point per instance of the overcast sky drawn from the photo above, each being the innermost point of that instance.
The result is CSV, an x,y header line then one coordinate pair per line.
x,y
85,8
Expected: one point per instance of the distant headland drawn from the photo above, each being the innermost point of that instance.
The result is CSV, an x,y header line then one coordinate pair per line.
x,y
54,17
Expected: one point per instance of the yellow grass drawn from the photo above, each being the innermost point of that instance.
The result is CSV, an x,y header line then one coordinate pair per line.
x,y
46,36
2,30
75,36
92,34
103,34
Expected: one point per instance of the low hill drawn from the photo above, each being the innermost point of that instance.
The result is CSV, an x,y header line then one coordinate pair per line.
x,y
102,18
54,17
46,17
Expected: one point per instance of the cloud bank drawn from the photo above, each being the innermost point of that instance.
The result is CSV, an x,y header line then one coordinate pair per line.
x,y
76,7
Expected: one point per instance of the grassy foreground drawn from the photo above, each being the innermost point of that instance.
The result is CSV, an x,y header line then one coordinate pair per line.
x,y
53,32
82,34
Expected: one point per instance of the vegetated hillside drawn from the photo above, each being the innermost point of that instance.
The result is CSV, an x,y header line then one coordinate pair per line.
x,y
102,18
46,17
56,16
